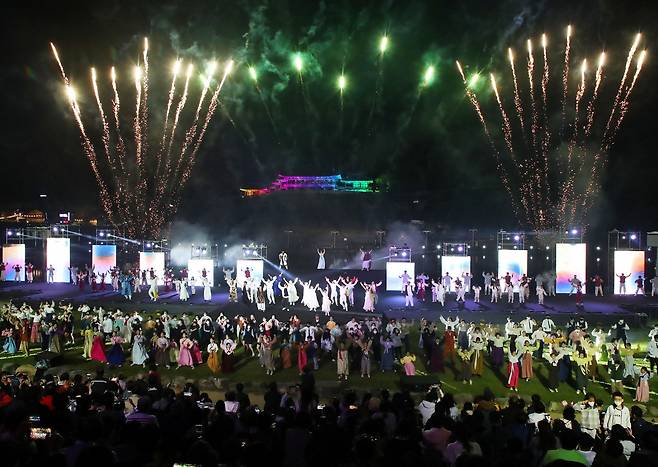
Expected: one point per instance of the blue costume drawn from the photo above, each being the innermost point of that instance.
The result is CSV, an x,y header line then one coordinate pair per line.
x,y
126,289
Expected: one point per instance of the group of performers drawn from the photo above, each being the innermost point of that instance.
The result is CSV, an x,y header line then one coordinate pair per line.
x,y
337,292
574,354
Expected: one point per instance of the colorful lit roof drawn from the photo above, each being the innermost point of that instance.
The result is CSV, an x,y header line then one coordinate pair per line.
x,y
313,182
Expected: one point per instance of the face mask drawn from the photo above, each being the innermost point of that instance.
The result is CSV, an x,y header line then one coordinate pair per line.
x,y
591,404
618,403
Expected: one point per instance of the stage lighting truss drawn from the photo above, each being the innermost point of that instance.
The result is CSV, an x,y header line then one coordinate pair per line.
x,y
511,240
399,253
456,249
618,240
107,236
155,245
38,235
254,251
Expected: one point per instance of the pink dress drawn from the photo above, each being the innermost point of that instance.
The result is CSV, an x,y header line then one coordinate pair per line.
x,y
513,374
185,356
196,353
98,349
642,390
409,367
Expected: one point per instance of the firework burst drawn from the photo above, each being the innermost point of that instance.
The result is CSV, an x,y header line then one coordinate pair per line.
x,y
552,184
140,187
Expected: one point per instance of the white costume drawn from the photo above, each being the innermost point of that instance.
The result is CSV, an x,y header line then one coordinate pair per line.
x,y
183,293
409,296
326,302
321,262
476,293
269,288
447,282
207,294
153,289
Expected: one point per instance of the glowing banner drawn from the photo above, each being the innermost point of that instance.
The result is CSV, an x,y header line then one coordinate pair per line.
x,y
393,272
58,257
631,264
456,266
153,260
196,267
514,262
104,259
13,255
570,260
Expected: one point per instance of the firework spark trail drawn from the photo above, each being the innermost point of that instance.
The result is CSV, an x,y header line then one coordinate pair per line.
x,y
591,107
620,90
573,167
86,142
214,101
137,124
502,170
172,91
145,96
507,128
116,107
517,96
536,193
624,103
565,80
190,134
179,109
507,132
106,127
606,140
91,154
59,62
545,141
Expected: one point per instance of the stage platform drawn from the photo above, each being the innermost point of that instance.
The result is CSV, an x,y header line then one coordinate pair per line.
x,y
598,310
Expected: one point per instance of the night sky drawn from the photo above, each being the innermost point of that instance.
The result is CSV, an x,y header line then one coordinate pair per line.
x,y
433,155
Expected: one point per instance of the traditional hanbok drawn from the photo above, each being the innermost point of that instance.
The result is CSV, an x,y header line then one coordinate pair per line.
x,y
207,293
369,300
302,358
284,353
35,337
98,349
388,356
326,301
512,371
161,351
115,356
312,302
408,364
185,355
642,390
267,357
497,352
139,353
9,345
554,371
321,262
478,358
183,293
580,370
196,353
228,347
213,358
342,363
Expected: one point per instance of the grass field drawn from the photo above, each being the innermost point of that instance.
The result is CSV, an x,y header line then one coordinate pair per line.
x,y
248,371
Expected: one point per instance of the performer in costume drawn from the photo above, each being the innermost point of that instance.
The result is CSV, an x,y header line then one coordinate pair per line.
x,y
513,371
321,262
